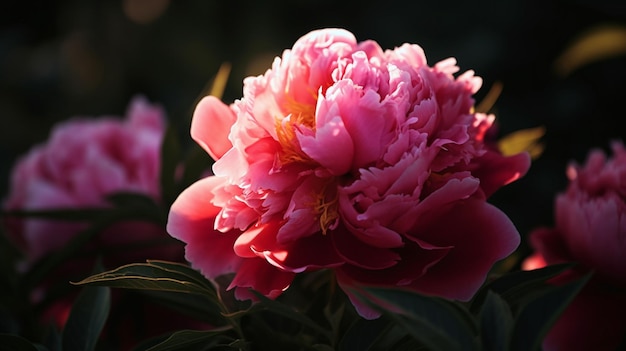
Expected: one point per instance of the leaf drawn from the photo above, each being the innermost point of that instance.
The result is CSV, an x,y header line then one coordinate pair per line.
x,y
104,219
496,323
363,334
286,311
523,140
17,343
197,162
599,43
87,318
537,316
170,156
517,286
221,78
154,275
438,323
190,339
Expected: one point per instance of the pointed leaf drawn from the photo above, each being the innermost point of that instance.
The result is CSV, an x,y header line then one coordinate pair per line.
x,y
537,316
496,323
170,156
286,311
197,164
516,286
153,275
363,334
87,318
191,339
17,343
439,324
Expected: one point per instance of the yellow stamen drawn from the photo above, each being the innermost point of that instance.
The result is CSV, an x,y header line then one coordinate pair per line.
x,y
326,208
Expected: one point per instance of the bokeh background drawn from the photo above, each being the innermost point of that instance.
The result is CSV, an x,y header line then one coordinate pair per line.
x,y
561,65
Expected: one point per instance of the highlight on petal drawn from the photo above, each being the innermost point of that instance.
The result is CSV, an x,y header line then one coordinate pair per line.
x,y
192,220
211,124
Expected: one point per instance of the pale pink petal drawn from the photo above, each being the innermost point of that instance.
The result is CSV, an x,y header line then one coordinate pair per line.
x,y
192,219
211,124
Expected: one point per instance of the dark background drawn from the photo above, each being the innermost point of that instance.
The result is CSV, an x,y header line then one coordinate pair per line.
x,y
88,58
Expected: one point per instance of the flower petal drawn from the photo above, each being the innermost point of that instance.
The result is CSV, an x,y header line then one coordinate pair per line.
x,y
210,126
192,220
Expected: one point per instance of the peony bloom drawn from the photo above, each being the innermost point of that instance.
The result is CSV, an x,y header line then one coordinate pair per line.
x,y
347,157
590,229
83,161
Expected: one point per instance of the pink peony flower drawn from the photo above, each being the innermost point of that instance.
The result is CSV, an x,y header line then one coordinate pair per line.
x,y
590,229
348,157
82,162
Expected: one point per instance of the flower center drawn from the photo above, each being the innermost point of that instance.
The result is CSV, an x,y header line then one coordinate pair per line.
x,y
300,115
326,205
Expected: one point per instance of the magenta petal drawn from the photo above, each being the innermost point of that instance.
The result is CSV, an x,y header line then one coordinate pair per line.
x,y
358,253
480,234
211,125
192,220
312,252
496,170
331,146
259,275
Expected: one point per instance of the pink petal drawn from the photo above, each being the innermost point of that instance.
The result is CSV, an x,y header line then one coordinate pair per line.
x,y
331,146
495,170
192,220
480,234
210,126
257,274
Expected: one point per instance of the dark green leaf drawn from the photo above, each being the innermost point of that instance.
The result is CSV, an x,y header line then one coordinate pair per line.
x,y
11,342
64,214
536,317
122,199
286,311
104,219
191,305
517,286
154,275
87,318
363,334
197,163
191,340
170,157
439,324
496,323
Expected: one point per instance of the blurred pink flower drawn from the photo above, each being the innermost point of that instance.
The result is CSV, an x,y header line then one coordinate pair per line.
x,y
590,229
348,157
83,161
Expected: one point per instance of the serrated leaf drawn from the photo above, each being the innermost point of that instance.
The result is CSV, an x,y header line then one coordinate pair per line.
x,y
191,340
86,320
537,316
496,323
437,323
17,343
